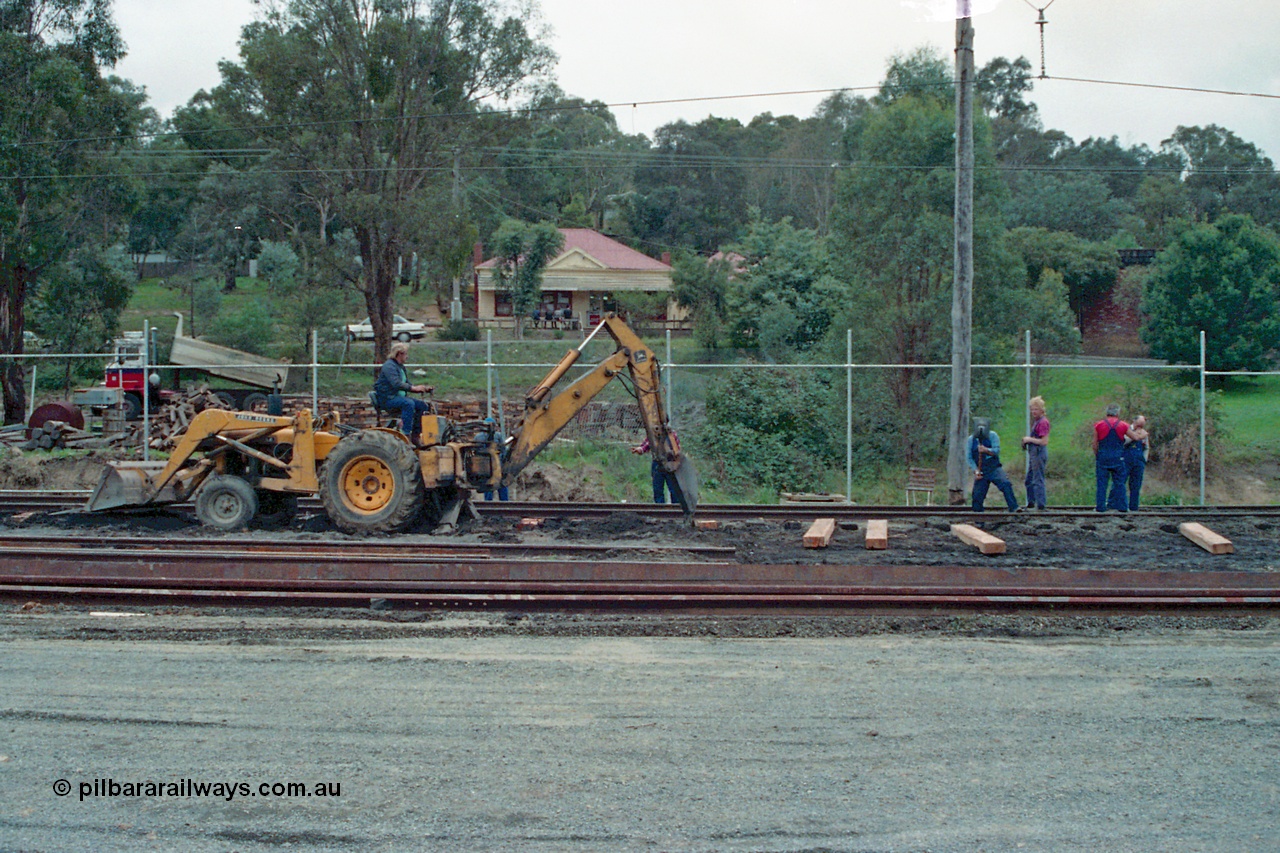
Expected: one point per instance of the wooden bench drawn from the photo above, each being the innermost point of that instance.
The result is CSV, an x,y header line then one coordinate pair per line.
x,y
921,480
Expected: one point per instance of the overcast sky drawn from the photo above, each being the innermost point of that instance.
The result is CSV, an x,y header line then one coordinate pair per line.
x,y
626,53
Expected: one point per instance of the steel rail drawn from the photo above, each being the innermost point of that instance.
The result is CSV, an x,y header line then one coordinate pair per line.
x,y
651,601
283,575
316,549
13,502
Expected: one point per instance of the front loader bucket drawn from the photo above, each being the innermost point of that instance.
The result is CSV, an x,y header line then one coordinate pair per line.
x,y
124,484
684,482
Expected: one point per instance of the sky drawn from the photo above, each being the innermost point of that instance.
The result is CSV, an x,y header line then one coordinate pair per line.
x,y
703,53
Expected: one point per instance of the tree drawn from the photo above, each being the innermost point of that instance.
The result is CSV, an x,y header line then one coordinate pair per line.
x,y
1087,269
922,74
300,303
562,151
1224,173
1077,202
1002,87
1223,279
691,189
784,285
1121,169
700,285
1164,206
523,252
52,93
77,307
893,233
367,101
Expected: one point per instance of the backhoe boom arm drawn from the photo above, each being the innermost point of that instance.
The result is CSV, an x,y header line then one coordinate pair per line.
x,y
545,415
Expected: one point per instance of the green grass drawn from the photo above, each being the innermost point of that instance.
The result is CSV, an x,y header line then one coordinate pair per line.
x,y
1251,415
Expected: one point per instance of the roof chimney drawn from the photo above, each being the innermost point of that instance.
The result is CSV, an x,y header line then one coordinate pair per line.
x,y
666,258
477,254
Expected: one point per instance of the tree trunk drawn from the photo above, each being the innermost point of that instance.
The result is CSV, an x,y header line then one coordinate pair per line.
x,y
13,296
378,255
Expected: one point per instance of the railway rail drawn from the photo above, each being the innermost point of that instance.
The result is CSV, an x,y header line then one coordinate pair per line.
x,y
232,571
15,501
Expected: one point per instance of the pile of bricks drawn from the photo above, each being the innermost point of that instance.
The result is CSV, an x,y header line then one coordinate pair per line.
x,y
596,420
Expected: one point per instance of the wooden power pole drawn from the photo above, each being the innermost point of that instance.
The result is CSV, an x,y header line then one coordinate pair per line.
x,y
962,293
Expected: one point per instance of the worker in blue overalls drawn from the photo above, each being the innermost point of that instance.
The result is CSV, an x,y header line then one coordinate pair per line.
x,y
984,462
1108,450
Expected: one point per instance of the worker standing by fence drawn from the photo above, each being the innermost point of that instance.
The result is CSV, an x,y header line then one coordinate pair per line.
x,y
1037,446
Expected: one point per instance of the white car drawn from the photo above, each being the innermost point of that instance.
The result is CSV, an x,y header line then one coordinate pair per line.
x,y
402,329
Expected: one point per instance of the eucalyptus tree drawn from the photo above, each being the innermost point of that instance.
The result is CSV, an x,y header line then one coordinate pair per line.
x,y
1225,174
58,115
566,157
364,104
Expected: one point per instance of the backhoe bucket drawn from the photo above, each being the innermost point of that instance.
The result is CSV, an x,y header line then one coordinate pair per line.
x,y
123,484
684,483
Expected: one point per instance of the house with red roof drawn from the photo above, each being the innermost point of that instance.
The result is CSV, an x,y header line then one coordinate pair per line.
x,y
584,278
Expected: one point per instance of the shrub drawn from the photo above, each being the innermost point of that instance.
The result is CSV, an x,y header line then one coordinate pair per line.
x,y
458,330
1173,419
249,329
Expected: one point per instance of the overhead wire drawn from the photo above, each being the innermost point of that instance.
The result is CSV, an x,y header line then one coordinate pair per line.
x,y
475,115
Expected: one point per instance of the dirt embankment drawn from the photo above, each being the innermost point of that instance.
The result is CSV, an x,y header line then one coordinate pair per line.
x,y
39,470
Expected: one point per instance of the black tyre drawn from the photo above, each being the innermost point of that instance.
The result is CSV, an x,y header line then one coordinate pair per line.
x,y
255,401
276,508
404,336
372,483
227,399
132,407
226,503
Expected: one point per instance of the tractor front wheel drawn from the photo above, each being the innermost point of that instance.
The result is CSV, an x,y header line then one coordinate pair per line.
x,y
226,503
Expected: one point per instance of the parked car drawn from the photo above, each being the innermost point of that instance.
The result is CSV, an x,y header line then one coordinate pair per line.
x,y
402,329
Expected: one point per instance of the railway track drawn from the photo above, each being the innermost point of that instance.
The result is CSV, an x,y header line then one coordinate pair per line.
x,y
235,571
13,502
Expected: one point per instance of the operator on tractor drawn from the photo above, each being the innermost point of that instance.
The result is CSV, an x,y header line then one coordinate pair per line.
x,y
393,388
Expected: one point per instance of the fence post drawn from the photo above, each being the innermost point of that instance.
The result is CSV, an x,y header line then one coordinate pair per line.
x,y
1202,418
315,371
1026,406
146,390
488,372
848,415
31,398
670,370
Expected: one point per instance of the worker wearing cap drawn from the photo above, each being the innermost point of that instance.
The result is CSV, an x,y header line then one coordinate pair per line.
x,y
393,389
662,483
984,462
1108,450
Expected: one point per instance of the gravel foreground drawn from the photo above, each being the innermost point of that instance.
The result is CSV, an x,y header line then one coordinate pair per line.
x,y
496,731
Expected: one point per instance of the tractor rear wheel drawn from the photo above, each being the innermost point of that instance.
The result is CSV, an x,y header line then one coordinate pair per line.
x,y
372,483
226,503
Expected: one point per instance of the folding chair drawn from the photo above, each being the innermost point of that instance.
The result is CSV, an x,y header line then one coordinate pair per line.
x,y
921,480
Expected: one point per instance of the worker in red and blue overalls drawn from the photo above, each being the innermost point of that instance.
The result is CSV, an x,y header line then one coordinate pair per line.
x,y
1108,450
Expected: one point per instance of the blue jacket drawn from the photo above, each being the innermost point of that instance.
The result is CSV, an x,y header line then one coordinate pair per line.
x,y
392,381
991,461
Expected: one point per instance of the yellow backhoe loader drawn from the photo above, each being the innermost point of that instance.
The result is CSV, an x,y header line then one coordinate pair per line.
x,y
238,465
